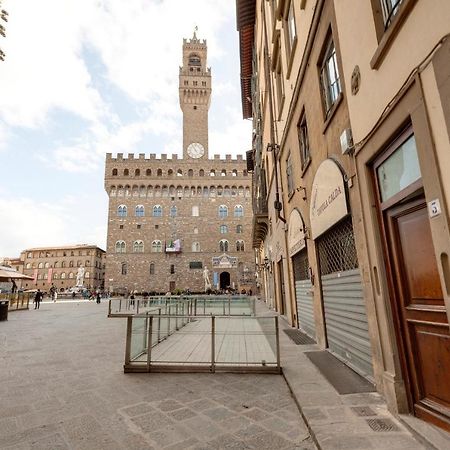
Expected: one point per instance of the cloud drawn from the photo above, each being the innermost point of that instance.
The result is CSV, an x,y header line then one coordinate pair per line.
x,y
34,223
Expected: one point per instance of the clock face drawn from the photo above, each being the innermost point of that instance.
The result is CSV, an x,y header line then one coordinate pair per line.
x,y
196,150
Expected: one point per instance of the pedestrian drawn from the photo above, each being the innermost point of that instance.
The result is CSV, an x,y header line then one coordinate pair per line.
x,y
99,297
37,299
14,287
132,298
73,295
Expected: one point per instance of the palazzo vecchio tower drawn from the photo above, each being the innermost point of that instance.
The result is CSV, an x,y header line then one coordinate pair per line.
x,y
168,217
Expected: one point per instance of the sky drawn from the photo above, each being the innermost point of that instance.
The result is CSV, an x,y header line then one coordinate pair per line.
x,y
83,78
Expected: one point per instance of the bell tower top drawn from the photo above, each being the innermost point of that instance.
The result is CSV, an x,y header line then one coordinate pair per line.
x,y
195,95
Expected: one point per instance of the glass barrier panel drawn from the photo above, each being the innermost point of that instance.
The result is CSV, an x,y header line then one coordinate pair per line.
x,y
139,335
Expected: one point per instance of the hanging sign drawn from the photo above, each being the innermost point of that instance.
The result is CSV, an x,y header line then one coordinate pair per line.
x,y
328,199
296,234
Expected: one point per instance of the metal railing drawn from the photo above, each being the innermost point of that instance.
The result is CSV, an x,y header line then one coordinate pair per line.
x,y
229,305
204,344
17,301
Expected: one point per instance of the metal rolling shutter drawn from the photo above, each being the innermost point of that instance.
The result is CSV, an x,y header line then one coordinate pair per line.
x,y
342,292
303,294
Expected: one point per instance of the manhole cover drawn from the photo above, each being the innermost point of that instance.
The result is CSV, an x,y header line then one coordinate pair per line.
x,y
363,411
382,425
298,337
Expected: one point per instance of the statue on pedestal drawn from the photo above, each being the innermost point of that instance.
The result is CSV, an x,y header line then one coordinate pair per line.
x,y
206,279
80,277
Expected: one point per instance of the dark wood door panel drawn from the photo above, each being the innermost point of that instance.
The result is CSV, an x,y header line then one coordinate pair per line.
x,y
418,258
419,305
432,361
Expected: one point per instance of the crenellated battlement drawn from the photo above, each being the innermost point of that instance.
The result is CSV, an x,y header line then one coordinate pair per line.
x,y
136,157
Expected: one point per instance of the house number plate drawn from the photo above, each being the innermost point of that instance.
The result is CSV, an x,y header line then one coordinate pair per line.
x,y
434,208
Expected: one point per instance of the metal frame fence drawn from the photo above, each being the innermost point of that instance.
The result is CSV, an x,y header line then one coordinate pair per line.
x,y
17,301
212,333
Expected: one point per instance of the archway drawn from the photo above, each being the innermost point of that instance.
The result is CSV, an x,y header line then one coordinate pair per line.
x,y
224,280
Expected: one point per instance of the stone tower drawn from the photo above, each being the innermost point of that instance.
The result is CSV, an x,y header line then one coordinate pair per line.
x,y
195,96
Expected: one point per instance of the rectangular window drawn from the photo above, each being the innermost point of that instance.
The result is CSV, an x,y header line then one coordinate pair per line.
x,y
399,170
290,29
390,9
195,265
279,85
289,175
329,77
172,268
303,140
195,211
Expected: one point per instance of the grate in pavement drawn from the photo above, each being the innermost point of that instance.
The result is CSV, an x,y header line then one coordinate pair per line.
x,y
382,425
298,337
363,411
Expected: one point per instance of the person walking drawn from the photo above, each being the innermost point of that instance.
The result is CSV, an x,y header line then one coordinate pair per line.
x,y
37,299
99,297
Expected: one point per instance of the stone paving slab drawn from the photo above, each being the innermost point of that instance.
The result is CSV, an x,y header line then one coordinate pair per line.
x,y
332,418
63,388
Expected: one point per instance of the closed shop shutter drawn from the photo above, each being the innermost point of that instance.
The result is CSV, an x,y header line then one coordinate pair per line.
x,y
343,300
303,293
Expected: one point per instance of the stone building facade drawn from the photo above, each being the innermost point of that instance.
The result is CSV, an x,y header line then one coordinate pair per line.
x,y
351,193
170,218
59,266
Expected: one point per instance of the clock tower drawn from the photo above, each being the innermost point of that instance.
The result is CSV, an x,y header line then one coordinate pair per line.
x,y
195,96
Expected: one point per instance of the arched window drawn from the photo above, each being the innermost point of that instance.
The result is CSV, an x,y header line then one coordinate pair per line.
x,y
157,211
40,265
238,211
126,172
87,263
87,275
223,211
223,245
239,229
234,173
139,211
137,173
196,246
63,276
226,191
195,211
148,172
122,211
124,268
78,263
152,269
201,173
55,276
28,266
114,172
195,230
194,60
70,263
121,247
39,277
70,275
190,173
223,173
223,229
212,173
156,246
63,264
173,211
179,173
138,247
239,246
170,173
159,173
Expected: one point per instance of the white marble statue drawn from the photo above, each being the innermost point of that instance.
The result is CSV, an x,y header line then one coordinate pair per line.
x,y
80,277
206,278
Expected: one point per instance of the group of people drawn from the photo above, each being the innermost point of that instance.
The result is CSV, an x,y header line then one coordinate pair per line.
x,y
39,296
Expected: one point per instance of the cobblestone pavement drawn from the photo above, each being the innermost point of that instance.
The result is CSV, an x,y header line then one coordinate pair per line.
x,y
62,387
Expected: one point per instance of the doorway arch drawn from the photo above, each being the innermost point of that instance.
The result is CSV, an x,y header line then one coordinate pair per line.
x,y
224,280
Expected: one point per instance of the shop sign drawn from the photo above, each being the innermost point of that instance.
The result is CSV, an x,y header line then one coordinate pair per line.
x,y
328,199
296,234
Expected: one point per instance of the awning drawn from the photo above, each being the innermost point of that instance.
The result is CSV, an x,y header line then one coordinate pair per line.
x,y
8,273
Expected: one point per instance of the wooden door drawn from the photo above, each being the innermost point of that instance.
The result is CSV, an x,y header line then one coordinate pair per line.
x,y
418,303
